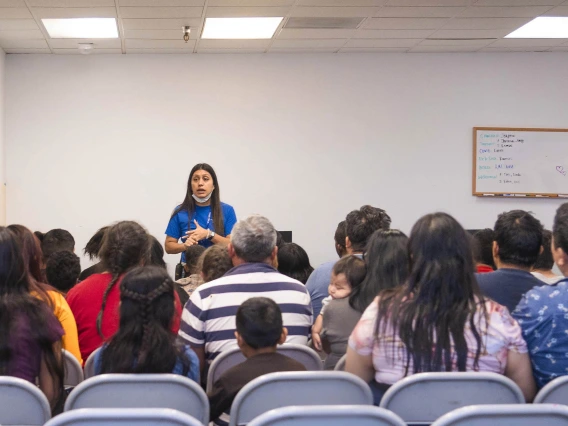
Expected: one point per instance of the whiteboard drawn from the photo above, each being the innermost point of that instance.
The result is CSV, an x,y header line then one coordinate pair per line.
x,y
520,162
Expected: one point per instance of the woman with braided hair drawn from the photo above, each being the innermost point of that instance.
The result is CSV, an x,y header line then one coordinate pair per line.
x,y
144,342
95,301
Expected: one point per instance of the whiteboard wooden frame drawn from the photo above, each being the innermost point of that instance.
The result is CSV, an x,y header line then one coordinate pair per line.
x,y
508,194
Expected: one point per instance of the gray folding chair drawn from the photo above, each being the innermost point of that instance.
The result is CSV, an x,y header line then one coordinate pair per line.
x,y
234,356
89,370
506,415
555,392
322,415
422,398
73,370
277,390
340,366
124,417
141,391
21,403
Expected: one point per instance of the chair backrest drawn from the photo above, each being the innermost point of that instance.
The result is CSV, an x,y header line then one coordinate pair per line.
x,y
506,415
124,417
340,366
277,390
21,403
141,391
89,370
325,415
234,356
423,397
73,370
555,392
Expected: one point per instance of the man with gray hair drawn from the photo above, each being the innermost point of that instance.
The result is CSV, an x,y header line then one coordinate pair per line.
x,y
208,319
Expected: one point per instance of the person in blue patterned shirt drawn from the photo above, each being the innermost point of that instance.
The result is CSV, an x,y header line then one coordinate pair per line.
x,y
543,313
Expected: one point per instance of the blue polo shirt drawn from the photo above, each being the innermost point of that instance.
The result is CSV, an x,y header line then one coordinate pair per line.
x,y
180,223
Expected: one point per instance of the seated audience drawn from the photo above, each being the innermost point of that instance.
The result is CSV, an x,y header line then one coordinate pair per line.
x,y
56,240
542,269
336,313
30,335
359,226
144,342
95,300
33,260
208,320
438,320
543,312
214,263
259,332
157,259
518,242
483,250
92,250
192,278
62,270
293,261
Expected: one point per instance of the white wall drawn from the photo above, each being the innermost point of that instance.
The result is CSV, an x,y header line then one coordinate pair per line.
x,y
2,156
302,139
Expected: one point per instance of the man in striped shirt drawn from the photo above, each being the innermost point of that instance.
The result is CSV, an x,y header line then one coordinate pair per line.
x,y
208,319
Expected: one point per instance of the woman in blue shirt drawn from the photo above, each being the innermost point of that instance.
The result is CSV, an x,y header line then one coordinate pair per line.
x,y
202,218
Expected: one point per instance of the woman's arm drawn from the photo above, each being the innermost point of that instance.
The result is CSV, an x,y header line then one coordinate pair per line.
x,y
49,384
361,366
519,370
173,247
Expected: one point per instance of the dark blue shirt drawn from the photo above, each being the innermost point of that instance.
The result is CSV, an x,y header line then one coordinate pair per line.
x,y
507,286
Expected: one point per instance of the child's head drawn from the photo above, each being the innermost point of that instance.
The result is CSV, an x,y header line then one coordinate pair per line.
x,y
62,270
347,273
215,263
192,255
259,325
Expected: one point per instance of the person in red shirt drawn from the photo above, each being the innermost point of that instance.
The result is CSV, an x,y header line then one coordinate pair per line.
x,y
95,301
482,243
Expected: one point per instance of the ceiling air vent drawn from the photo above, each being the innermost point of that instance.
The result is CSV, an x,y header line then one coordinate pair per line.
x,y
327,23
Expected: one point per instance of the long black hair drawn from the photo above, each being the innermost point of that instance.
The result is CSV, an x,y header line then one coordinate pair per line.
x,y
431,313
94,245
16,301
189,203
387,264
144,342
125,245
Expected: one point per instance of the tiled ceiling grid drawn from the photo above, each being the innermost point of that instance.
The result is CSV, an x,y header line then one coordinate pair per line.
x,y
155,26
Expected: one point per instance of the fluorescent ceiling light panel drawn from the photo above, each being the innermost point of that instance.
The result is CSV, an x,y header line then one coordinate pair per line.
x,y
240,28
81,28
543,27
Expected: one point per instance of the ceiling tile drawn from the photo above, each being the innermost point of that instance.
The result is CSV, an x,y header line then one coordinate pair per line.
x,y
159,51
291,33
393,33
161,3
21,35
75,12
306,50
513,49
528,42
518,2
250,3
28,51
388,42
470,33
13,3
404,23
15,13
504,12
159,34
473,43
485,23
24,44
374,49
231,51
335,12
18,24
160,12
161,24
355,3
559,49
229,12
447,49
428,3
71,3
234,44
558,11
71,43
309,44
93,52
419,12
159,44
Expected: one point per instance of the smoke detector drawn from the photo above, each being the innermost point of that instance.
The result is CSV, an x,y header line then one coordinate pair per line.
x,y
85,48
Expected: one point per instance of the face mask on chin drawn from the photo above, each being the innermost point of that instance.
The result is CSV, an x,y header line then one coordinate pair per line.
x,y
202,200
